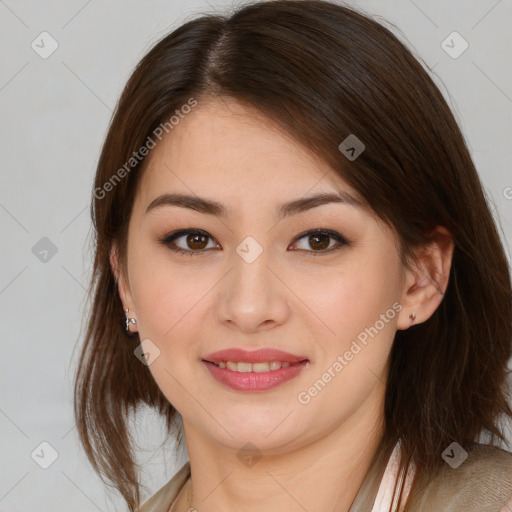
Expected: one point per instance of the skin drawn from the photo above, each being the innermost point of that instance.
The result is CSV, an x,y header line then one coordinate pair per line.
x,y
308,304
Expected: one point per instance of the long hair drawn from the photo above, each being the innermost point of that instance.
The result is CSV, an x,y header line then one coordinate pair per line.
x,y
323,72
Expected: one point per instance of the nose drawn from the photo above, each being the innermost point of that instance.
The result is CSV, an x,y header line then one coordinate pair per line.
x,y
252,298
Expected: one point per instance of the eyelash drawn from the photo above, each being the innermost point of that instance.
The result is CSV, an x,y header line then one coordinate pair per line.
x,y
169,239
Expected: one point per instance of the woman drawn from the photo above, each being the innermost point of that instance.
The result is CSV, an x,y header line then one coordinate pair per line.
x,y
311,280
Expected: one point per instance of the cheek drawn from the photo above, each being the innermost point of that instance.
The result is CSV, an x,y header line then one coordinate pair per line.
x,y
350,300
170,304
164,297
357,307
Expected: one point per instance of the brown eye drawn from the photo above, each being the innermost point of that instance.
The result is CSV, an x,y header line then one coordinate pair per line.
x,y
318,241
190,241
197,242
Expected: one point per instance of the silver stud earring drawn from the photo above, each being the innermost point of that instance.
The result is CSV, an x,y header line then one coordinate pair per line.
x,y
412,316
127,322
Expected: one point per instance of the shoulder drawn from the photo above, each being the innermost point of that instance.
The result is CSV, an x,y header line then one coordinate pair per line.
x,y
163,498
482,482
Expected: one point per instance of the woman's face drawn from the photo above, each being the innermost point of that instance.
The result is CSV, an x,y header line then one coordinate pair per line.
x,y
247,281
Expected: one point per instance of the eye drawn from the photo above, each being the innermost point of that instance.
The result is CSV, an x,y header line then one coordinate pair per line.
x,y
320,241
196,241
189,241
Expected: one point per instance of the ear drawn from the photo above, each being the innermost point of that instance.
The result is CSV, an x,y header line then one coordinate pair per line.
x,y
122,282
426,282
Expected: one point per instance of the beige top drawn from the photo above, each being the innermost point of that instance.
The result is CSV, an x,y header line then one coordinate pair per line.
x,y
482,483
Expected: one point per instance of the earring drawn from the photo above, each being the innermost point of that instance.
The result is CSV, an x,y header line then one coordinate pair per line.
x,y
126,323
412,316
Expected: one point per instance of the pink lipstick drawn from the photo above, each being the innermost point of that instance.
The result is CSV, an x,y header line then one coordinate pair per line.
x,y
257,370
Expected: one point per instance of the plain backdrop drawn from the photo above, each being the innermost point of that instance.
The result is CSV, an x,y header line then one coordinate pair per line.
x,y
55,112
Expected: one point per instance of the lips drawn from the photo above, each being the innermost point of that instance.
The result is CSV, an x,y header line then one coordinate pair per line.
x,y
256,356
260,380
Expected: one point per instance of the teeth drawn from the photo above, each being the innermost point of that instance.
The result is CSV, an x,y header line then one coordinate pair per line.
x,y
252,367
262,367
244,367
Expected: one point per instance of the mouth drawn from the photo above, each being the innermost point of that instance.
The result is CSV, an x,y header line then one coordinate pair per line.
x,y
246,367
259,370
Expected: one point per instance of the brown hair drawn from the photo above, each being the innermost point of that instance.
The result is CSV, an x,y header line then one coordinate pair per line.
x,y
322,71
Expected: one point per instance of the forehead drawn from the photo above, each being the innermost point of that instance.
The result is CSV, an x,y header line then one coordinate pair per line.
x,y
223,147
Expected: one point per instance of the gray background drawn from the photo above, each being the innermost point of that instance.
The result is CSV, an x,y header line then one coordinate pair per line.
x,y
55,113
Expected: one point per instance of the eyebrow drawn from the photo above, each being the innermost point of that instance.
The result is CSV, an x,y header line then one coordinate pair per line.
x,y
210,207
